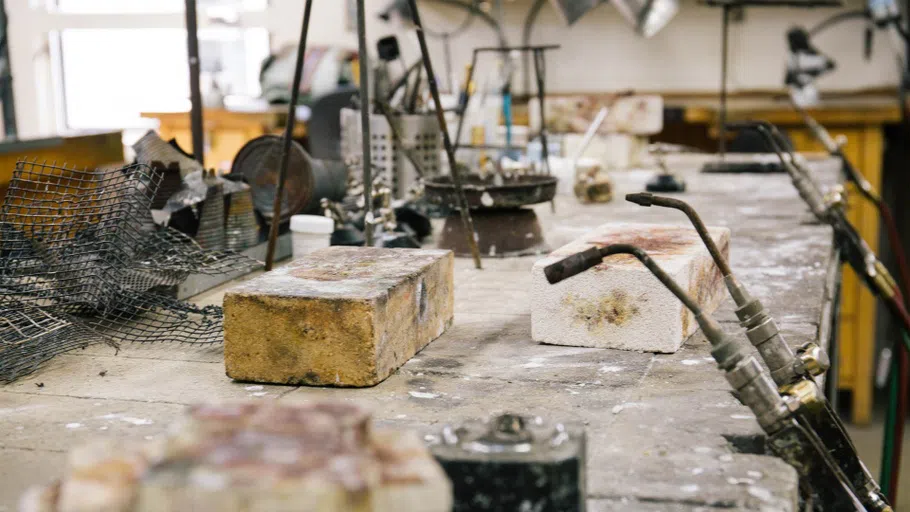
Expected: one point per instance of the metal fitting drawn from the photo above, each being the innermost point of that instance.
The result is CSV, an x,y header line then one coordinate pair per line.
x,y
805,393
835,198
758,393
814,360
884,279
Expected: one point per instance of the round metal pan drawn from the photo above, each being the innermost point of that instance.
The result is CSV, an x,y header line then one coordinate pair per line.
x,y
484,192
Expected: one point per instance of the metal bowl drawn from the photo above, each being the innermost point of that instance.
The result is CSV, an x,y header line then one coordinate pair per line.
x,y
491,191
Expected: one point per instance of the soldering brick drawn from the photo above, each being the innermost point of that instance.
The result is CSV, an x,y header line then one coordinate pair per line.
x,y
341,316
254,456
619,304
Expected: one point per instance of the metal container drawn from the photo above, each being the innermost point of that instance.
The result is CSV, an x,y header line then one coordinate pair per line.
x,y
420,137
241,230
210,234
514,462
308,180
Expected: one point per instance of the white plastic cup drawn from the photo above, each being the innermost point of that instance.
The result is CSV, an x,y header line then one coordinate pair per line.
x,y
310,232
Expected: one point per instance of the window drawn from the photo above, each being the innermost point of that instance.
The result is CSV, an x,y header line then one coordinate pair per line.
x,y
111,60
110,76
152,6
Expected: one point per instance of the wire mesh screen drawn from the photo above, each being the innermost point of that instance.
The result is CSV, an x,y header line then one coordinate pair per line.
x,y
81,262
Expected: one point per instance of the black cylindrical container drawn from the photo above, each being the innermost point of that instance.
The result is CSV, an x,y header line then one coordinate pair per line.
x,y
514,463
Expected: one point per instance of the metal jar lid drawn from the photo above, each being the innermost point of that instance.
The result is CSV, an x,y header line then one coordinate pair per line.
x,y
509,437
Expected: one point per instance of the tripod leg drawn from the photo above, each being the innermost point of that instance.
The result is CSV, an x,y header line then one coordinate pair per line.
x,y
450,151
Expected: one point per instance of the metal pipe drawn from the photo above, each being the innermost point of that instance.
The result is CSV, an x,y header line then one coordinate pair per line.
x,y
288,137
648,199
540,71
724,52
447,142
467,100
192,38
365,111
821,134
589,134
530,20
658,272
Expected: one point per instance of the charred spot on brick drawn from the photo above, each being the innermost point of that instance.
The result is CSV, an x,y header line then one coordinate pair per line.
x,y
311,378
656,241
423,300
615,308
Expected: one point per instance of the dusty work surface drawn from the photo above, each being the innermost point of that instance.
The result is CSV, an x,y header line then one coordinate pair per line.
x,y
664,432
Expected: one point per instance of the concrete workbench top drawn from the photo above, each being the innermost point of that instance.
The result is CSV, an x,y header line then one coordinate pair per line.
x,y
664,431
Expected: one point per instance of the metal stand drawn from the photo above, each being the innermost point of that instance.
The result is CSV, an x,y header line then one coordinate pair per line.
x,y
540,77
365,127
192,38
447,142
288,137
540,70
728,6
367,160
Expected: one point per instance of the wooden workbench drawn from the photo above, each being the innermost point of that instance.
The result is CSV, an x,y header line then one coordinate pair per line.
x,y
862,122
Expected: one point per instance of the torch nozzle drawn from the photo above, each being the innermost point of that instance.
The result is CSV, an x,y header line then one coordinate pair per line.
x,y
641,198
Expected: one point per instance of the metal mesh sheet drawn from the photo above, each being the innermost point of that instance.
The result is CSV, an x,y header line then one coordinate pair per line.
x,y
81,263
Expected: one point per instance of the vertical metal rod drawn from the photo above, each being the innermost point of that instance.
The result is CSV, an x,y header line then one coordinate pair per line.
x,y
447,49
288,137
6,78
447,142
365,110
541,75
467,99
724,51
192,39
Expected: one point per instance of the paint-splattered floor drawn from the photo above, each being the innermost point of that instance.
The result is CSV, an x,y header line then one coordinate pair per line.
x,y
664,432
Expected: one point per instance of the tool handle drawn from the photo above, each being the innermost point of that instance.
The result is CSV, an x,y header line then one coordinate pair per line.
x,y
573,265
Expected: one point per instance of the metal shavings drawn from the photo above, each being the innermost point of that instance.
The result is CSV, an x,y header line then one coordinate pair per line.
x,y
82,263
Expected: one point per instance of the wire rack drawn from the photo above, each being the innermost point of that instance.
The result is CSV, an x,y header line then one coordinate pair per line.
x,y
81,262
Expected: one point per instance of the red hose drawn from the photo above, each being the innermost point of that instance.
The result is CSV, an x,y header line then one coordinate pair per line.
x,y
904,357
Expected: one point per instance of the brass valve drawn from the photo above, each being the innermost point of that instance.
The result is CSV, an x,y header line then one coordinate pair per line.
x,y
835,198
803,393
814,359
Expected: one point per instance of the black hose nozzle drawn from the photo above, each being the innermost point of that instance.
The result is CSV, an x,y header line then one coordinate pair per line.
x,y
573,265
641,198
578,263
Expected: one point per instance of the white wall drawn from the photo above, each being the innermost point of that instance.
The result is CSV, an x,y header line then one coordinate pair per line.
x,y
599,53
